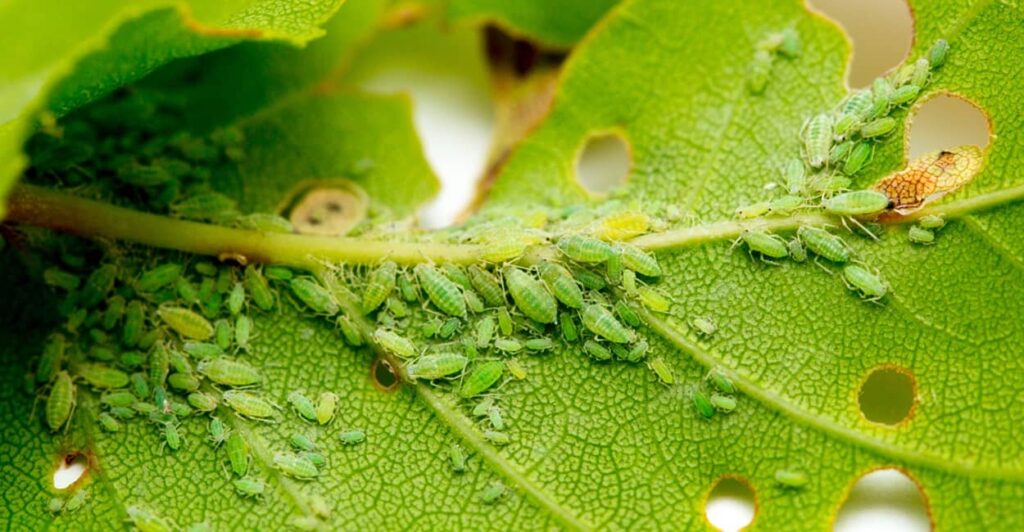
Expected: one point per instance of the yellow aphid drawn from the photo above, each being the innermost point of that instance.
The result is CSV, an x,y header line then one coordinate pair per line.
x,y
622,226
930,177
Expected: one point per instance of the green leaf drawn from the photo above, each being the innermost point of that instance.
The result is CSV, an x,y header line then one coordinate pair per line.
x,y
554,27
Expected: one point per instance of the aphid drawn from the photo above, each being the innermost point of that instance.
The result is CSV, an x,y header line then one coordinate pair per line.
x,y
538,344
177,361
856,203
186,291
858,157
160,397
171,437
76,319
483,406
296,466
203,402
614,268
238,452
596,350
530,295
258,288
818,139
104,377
431,327
249,405
492,493
639,261
51,359
638,352
495,417
59,278
722,382
222,334
146,520
302,405
265,222
229,372
96,287
202,350
76,501
662,370
352,437
653,299
504,321
55,505
508,345
180,409
380,284
481,378
473,301
516,369
484,332
397,307
204,268
249,487
600,321
236,298
317,458
589,279
789,44
795,176
705,325
302,442
629,281
791,478
723,403
900,96
869,284
60,403
839,152
858,104
585,249
185,382
139,385
628,315
504,249
937,53
622,225
759,71
243,330
443,293
703,405
315,296
117,398
437,366
930,177
279,273
158,277
824,244
487,285
796,250
325,407
349,331
185,322
469,347
561,283
449,328
878,127
496,437
920,235
122,412
766,244
457,275
212,206
786,205
149,338
394,343
881,89
568,327
457,457
922,70
132,359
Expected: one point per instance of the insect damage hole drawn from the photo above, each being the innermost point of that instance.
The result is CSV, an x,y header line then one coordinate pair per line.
x,y
383,375
888,395
329,207
886,499
946,121
731,504
603,163
881,32
70,469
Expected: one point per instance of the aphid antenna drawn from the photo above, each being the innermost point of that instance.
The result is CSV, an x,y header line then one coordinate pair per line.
x,y
823,267
860,226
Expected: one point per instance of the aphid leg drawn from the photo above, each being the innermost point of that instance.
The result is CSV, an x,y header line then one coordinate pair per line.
x,y
823,267
862,228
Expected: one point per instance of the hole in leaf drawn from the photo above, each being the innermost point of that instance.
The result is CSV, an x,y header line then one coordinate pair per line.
x,y
327,207
603,164
888,395
383,375
71,468
944,122
731,504
881,32
884,500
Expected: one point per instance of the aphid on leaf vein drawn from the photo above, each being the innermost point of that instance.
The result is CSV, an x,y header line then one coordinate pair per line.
x,y
437,366
585,249
496,437
381,283
722,382
61,401
314,295
185,322
824,244
622,225
931,221
930,177
653,299
516,369
481,378
766,244
266,222
296,466
325,407
443,293
394,343
639,261
856,203
302,405
530,295
249,405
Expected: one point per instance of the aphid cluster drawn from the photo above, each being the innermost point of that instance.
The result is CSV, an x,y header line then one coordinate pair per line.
x,y
715,394
785,43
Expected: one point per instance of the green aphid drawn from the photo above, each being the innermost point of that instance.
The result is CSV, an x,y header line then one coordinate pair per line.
x,y
55,505
920,235
243,331
122,412
449,328
60,402
249,405
493,493
878,127
314,295
207,269
132,359
481,379
858,104
596,350
108,422
627,314
96,287
481,408
791,478
212,206
857,203
266,222
99,337
437,366
487,285
159,365
149,339
504,321
202,350
51,359
318,459
186,290
585,249
796,250
102,353
443,293
561,283
589,279
397,307
457,457
900,96
326,405
203,402
171,436
817,135
567,325
59,278
937,53
178,362
144,408
859,156
881,90
352,437
142,175
473,301
931,221
496,437
102,377
431,327
613,268
249,487
867,283
516,369
158,277
457,275
790,43
824,244
238,452
117,398
639,261
279,273
380,284
484,332
260,292
229,372
75,319
653,299
236,298
302,442
662,370
705,325
795,176
839,152
508,345
629,281
184,382
139,385
723,403
302,405
394,343
759,71
349,331
160,397
180,409
495,418
185,322
76,501
222,334
530,295
766,244
538,344
702,404
636,353
922,71
600,321
786,205
846,123
723,383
